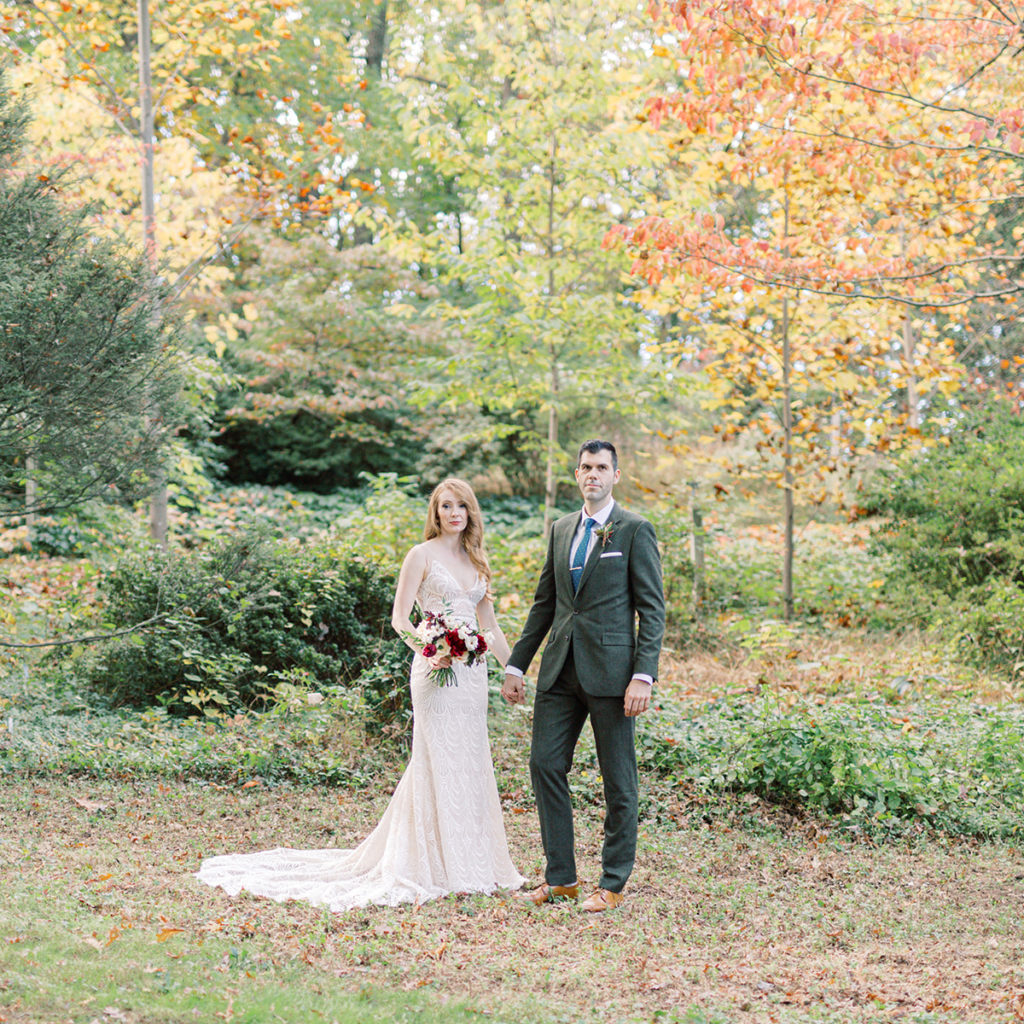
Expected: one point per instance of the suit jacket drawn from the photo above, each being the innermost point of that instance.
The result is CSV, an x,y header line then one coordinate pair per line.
x,y
614,622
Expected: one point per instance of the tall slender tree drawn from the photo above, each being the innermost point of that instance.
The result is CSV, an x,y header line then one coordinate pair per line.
x,y
872,143
528,113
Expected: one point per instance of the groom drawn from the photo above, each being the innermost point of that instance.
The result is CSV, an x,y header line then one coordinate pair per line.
x,y
600,602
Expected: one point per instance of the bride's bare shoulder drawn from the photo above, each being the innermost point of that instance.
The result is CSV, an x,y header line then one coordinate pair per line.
x,y
416,558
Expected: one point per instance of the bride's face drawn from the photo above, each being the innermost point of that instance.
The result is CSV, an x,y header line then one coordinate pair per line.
x,y
452,512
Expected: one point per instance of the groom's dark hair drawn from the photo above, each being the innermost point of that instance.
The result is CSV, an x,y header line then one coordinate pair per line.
x,y
595,446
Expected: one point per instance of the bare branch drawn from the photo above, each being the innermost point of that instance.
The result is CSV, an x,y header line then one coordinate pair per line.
x,y
89,639
803,284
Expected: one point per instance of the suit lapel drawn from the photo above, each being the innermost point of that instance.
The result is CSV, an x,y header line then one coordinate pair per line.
x,y
595,552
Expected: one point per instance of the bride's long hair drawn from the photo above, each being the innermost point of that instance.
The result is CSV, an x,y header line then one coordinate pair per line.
x,y
472,535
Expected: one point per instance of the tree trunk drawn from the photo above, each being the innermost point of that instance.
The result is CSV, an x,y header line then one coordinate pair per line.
x,y
550,483
376,51
376,46
909,350
158,501
837,457
550,480
697,552
787,454
31,497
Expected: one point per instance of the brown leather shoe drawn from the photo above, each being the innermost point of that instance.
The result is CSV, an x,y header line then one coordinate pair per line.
x,y
600,900
550,893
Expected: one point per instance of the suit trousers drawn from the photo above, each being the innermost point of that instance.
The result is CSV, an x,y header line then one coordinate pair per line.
x,y
558,717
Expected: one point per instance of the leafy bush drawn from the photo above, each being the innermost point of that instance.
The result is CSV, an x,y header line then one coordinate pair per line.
x,y
320,453
91,529
837,579
958,766
299,515
236,619
311,737
387,523
955,515
674,528
988,627
955,535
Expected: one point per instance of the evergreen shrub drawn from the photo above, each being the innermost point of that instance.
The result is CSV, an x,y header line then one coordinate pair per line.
x,y
237,618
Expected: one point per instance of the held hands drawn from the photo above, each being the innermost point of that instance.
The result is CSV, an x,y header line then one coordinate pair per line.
x,y
440,661
638,697
513,689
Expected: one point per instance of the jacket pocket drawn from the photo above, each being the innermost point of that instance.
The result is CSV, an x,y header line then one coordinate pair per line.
x,y
617,640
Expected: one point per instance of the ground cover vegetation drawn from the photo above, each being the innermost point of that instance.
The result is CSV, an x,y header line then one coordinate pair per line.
x,y
391,248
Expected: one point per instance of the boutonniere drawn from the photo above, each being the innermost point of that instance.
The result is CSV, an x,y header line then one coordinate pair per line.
x,y
604,533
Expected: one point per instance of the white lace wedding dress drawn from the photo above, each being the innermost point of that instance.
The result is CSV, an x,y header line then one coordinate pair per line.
x,y
442,832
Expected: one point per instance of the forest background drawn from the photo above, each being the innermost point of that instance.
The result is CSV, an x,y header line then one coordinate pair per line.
x,y
270,270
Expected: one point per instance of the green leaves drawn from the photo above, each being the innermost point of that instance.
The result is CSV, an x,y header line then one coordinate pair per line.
x,y
243,617
523,112
955,766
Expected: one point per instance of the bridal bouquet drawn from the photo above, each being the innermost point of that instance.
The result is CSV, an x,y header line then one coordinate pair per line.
x,y
458,641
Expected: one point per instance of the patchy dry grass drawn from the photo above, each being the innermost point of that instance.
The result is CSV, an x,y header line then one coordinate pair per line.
x,y
839,662
102,920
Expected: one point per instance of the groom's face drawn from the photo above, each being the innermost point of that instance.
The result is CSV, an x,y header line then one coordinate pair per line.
x,y
596,476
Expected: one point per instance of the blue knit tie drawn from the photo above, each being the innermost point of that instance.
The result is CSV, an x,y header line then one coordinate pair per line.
x,y
579,559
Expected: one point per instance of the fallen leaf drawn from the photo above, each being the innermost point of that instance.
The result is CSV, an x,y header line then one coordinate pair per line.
x,y
89,805
165,933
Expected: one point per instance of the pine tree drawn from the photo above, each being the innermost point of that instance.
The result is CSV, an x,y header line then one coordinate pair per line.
x,y
87,363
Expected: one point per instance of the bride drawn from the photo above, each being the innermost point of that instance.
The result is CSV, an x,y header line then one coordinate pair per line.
x,y
442,832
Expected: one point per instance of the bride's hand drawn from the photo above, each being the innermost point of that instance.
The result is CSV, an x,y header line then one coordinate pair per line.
x,y
440,661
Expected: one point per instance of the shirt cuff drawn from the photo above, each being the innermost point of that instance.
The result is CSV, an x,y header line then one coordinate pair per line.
x,y
649,680
511,670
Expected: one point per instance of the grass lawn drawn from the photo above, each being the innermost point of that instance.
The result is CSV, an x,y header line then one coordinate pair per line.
x,y
742,916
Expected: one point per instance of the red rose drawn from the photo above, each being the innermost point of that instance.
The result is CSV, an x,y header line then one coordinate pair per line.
x,y
456,644
430,650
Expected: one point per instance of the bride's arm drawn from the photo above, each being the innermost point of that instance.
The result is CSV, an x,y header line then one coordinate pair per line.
x,y
488,621
409,579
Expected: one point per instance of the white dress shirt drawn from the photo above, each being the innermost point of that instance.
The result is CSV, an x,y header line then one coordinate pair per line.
x,y
600,518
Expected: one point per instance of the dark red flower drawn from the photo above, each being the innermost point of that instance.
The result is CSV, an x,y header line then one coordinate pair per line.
x,y
430,650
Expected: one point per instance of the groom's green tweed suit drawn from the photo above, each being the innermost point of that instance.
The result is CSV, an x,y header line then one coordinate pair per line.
x,y
602,635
